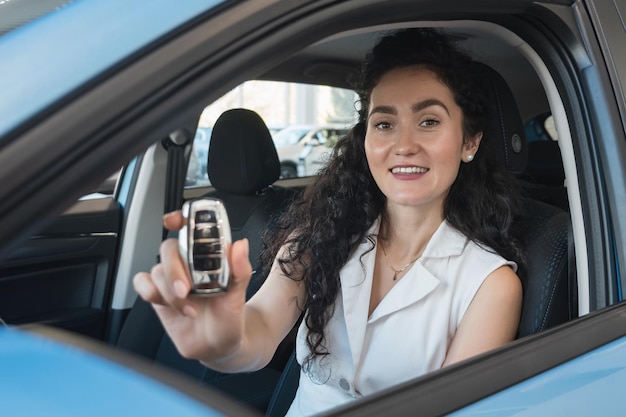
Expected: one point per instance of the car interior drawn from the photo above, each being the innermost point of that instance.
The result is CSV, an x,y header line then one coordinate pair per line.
x,y
244,171
550,289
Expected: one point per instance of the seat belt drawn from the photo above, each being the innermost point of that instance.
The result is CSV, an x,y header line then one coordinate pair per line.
x,y
176,144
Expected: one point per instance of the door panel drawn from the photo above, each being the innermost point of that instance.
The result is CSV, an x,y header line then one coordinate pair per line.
x,y
62,276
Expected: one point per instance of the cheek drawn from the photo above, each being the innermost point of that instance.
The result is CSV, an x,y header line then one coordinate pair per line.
x,y
370,151
373,157
451,149
376,149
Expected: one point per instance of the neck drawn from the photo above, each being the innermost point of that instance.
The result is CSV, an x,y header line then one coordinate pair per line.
x,y
405,234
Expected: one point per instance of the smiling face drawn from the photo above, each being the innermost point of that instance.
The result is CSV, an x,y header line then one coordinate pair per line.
x,y
414,140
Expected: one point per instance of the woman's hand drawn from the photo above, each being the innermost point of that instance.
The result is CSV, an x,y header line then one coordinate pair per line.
x,y
207,328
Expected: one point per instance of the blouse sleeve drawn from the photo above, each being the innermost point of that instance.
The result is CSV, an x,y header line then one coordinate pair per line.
x,y
475,266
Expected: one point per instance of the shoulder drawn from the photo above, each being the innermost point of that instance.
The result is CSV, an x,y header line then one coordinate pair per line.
x,y
448,242
481,268
498,298
499,291
479,257
472,269
491,319
502,285
462,255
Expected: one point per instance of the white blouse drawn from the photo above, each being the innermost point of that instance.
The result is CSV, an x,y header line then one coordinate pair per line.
x,y
409,332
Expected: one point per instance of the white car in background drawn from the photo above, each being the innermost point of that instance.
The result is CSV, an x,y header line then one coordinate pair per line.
x,y
197,169
304,149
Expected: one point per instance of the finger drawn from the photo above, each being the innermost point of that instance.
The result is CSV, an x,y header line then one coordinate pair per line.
x,y
240,264
142,282
172,297
147,290
173,220
171,276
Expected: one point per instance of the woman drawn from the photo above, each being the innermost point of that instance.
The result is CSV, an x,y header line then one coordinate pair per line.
x,y
403,254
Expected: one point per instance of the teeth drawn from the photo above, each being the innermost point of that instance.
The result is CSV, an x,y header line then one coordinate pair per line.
x,y
409,170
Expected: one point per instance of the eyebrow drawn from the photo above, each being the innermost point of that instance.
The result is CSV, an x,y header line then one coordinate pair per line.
x,y
415,107
427,103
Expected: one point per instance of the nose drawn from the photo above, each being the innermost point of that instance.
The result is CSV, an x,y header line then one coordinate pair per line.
x,y
407,143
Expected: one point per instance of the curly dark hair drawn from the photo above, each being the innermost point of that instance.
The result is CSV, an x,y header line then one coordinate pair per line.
x,y
334,214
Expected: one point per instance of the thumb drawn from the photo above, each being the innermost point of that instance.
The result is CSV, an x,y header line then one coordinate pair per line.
x,y
241,268
173,220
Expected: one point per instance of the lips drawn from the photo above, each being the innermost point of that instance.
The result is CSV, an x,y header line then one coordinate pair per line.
x,y
409,170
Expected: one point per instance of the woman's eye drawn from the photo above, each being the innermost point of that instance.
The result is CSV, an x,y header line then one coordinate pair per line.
x,y
383,125
429,122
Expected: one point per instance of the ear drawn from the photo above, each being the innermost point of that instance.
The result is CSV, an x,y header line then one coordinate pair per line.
x,y
470,147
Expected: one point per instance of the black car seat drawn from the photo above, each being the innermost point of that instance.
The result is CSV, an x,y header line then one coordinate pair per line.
x,y
549,288
242,166
549,285
545,174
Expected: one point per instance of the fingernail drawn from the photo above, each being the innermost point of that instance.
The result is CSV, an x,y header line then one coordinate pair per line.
x,y
189,311
180,289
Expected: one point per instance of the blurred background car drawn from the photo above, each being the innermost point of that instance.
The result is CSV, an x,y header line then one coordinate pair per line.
x,y
303,150
197,169
290,135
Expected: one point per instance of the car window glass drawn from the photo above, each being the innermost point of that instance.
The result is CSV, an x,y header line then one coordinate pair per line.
x,y
300,117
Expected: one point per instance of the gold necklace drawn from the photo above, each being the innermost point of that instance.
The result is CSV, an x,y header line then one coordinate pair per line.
x,y
396,271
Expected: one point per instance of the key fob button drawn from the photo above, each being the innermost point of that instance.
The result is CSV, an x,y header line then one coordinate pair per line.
x,y
206,231
208,248
207,263
206,216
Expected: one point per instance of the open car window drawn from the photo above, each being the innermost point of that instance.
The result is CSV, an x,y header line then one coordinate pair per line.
x,y
305,120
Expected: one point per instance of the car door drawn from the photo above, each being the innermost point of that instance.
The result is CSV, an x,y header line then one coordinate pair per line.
x,y
62,276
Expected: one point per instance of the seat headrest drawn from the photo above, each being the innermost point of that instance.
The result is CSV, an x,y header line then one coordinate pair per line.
x,y
504,123
242,155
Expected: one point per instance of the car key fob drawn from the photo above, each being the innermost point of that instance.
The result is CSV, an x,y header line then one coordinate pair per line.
x,y
202,244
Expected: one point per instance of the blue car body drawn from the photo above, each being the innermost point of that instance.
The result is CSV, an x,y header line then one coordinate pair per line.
x,y
587,385
40,376
52,41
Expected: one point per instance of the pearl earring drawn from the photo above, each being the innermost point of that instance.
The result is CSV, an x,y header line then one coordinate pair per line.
x,y
470,157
